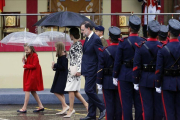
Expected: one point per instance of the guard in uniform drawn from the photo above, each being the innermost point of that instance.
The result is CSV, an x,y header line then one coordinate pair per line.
x,y
144,68
149,6
168,73
99,30
163,33
104,76
122,71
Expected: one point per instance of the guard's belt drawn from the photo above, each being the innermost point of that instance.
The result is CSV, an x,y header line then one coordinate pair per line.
x,y
170,72
149,68
128,64
108,71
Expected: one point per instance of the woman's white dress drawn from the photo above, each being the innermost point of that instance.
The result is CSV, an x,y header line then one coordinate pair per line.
x,y
75,56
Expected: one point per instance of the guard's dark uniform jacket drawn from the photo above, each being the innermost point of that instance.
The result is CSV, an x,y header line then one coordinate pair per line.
x,y
144,68
144,65
123,67
165,76
105,66
124,57
168,77
104,77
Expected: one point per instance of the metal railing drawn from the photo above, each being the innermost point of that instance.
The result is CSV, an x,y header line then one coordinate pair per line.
x,y
94,14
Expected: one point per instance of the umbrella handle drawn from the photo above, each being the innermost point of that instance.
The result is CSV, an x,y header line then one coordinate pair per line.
x,y
52,42
23,56
65,36
53,56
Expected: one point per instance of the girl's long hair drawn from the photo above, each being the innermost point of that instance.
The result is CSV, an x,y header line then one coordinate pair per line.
x,y
31,47
59,48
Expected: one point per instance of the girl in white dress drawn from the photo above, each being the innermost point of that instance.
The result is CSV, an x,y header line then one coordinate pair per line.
x,y
74,81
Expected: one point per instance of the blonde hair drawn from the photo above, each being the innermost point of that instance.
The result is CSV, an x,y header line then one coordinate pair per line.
x,y
59,48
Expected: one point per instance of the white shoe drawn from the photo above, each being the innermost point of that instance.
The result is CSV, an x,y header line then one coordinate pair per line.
x,y
63,112
68,116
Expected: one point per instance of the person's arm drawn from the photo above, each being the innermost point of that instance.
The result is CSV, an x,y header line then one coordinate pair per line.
x,y
79,57
98,44
34,64
62,65
100,68
118,61
158,6
137,66
24,59
159,69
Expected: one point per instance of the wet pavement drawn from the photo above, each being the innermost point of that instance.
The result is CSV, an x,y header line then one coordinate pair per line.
x,y
9,112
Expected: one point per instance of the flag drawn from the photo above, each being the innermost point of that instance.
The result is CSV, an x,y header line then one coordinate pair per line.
x,y
2,4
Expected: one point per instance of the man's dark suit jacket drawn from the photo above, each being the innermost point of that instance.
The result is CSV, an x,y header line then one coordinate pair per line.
x,y
90,56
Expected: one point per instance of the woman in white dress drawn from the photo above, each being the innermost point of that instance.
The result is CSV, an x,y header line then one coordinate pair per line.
x,y
74,81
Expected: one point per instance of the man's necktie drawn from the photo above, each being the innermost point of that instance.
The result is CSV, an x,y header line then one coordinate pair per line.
x,y
86,40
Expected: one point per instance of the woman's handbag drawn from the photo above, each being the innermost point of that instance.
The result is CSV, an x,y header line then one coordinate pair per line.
x,y
73,69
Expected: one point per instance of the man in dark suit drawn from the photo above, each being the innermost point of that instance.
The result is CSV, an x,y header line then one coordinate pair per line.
x,y
89,70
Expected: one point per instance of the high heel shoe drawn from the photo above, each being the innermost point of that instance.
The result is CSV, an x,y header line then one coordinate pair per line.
x,y
68,116
63,112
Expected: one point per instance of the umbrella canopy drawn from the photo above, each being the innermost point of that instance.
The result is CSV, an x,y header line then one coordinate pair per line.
x,y
40,21
65,19
51,37
18,38
38,43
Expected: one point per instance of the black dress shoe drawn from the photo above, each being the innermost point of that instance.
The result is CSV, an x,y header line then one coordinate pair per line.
x,y
102,114
23,111
88,118
38,110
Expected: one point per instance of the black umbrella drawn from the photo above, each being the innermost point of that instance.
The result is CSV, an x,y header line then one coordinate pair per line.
x,y
40,21
65,19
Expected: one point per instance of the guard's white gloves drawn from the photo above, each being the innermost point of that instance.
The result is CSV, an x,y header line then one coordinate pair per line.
x,y
115,81
136,86
99,86
158,90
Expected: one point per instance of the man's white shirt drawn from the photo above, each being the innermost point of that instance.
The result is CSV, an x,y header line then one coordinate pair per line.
x,y
90,35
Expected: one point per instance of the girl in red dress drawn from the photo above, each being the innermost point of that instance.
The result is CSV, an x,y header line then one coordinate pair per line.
x,y
32,79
